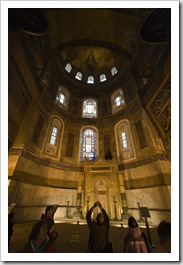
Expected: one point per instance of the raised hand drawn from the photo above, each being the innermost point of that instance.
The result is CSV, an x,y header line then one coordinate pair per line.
x,y
99,205
95,204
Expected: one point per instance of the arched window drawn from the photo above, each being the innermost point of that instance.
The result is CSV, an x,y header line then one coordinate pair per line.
x,y
117,100
53,136
124,139
114,70
78,76
62,97
53,139
88,144
103,78
89,108
90,80
125,147
68,67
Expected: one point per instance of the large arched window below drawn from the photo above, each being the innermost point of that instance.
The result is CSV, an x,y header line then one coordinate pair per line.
x,y
89,108
88,144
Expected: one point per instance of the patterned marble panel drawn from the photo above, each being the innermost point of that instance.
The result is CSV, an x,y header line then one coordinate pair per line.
x,y
144,161
48,163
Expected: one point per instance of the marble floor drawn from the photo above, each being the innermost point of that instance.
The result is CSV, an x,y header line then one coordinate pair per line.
x,y
73,237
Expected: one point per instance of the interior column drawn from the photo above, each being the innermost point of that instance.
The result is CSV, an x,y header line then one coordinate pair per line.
x,y
125,213
79,197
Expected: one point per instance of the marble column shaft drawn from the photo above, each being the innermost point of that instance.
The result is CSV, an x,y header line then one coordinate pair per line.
x,y
79,190
123,194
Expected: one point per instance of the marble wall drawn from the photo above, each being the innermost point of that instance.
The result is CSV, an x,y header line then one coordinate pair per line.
x,y
31,200
157,200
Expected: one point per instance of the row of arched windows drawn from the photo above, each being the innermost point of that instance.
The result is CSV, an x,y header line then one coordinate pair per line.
x,y
89,109
88,141
90,79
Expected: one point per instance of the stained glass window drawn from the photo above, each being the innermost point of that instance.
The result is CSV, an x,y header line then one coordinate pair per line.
x,y
88,144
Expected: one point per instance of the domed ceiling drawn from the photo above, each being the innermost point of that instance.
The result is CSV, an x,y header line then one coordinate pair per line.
x,y
94,41
97,44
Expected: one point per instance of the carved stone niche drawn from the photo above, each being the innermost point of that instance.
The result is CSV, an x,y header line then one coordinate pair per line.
x,y
100,193
101,185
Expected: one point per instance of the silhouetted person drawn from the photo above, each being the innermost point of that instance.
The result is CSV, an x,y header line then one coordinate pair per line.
x,y
99,230
39,241
164,233
10,226
135,241
108,155
49,217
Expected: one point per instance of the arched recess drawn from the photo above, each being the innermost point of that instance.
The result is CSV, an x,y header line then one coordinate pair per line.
x,y
124,141
101,193
52,147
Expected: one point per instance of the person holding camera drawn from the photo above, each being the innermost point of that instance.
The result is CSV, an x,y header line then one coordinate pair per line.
x,y
49,217
99,230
